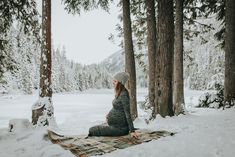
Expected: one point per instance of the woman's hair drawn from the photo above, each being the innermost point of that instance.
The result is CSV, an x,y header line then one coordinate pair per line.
x,y
119,89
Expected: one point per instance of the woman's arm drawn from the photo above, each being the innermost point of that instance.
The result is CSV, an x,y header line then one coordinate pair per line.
x,y
126,106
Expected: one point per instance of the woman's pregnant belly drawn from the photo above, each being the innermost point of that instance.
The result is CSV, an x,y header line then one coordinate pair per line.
x,y
117,118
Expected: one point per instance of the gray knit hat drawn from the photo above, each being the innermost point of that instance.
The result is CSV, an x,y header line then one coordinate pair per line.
x,y
122,77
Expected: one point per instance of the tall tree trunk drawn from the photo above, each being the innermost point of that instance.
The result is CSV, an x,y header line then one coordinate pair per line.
x,y
229,85
45,68
43,107
129,56
178,85
165,50
152,41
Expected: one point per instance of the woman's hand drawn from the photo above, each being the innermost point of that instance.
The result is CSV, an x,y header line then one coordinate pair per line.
x,y
134,135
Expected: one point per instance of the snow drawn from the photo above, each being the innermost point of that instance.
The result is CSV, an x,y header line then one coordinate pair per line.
x,y
19,125
41,102
201,132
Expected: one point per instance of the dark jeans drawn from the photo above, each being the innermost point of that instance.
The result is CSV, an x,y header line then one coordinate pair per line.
x,y
106,130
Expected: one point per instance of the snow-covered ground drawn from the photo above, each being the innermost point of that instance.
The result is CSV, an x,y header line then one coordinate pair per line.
x,y
200,133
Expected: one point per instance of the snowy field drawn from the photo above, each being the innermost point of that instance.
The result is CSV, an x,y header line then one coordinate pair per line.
x,y
200,133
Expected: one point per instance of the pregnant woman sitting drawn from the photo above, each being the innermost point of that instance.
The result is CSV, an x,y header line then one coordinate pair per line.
x,y
119,120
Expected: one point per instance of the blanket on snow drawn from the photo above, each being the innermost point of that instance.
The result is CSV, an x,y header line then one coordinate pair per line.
x,y
83,146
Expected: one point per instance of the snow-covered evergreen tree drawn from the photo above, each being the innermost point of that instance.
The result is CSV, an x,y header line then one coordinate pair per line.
x,y
204,60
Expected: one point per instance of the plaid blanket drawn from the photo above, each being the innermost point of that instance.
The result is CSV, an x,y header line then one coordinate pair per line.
x,y
82,146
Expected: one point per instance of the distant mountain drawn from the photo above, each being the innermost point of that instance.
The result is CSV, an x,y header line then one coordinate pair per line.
x,y
115,63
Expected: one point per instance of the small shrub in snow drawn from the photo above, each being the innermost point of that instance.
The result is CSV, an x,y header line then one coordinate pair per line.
x,y
147,108
213,100
227,105
145,105
203,100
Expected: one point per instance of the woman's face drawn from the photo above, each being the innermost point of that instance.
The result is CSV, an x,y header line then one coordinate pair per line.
x,y
115,82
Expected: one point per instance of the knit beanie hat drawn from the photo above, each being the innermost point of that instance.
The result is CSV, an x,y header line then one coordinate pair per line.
x,y
122,77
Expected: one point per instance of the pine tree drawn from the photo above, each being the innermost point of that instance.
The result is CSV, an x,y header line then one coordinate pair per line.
x,y
23,11
8,62
42,112
165,50
229,85
56,70
203,9
81,84
129,56
25,44
77,75
90,82
151,41
75,7
178,84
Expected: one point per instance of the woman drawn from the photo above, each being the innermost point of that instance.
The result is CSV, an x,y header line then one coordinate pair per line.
x,y
119,120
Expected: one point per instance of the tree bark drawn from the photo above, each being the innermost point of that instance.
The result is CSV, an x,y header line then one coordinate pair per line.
x,y
178,85
229,85
45,68
129,56
151,41
165,48
45,90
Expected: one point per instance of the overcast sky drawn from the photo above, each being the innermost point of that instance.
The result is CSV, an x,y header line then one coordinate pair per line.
x,y
85,37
